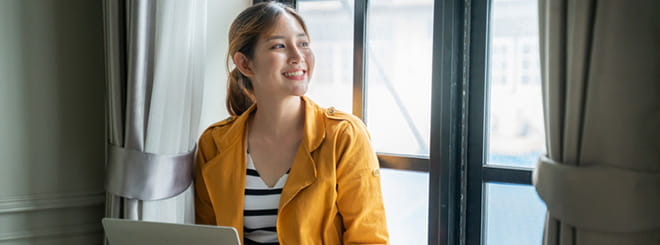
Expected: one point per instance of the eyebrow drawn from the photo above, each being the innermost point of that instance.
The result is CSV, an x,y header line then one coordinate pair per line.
x,y
282,37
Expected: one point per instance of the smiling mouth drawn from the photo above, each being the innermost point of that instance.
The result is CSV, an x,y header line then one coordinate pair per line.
x,y
296,75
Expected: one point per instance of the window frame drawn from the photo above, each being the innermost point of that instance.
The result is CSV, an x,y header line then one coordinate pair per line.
x,y
479,173
457,162
292,3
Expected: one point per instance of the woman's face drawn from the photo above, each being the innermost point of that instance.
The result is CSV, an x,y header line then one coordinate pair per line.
x,y
283,60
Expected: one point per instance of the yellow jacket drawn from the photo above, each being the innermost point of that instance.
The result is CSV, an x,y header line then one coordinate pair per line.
x,y
332,194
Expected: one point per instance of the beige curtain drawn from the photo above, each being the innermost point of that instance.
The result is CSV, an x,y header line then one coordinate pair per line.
x,y
601,85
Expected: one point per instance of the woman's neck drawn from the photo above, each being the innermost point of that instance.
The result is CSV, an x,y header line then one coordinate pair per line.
x,y
278,118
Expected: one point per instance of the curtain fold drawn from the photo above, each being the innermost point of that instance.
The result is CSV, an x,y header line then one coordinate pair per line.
x,y
600,65
155,53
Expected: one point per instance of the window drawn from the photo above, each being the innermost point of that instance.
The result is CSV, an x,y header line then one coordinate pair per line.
x,y
330,24
462,158
507,128
398,75
519,107
514,214
389,86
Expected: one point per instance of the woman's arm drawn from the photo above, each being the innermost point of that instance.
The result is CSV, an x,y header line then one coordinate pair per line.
x,y
359,197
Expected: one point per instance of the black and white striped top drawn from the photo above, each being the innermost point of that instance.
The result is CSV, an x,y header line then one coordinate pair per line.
x,y
260,210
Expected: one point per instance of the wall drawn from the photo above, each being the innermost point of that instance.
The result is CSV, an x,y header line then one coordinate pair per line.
x,y
221,14
51,122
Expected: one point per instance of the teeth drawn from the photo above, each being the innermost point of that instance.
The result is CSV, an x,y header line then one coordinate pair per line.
x,y
292,74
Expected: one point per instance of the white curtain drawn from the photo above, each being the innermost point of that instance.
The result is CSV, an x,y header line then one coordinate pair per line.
x,y
176,98
155,53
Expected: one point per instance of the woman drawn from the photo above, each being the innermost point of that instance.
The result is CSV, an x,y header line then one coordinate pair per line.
x,y
282,169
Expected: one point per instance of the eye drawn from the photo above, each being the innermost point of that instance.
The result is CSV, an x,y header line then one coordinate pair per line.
x,y
304,44
276,46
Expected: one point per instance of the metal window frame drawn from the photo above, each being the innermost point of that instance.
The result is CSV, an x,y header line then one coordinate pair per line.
x,y
479,172
386,160
477,126
448,116
291,3
359,59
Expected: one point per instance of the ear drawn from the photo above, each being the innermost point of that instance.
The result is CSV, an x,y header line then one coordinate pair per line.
x,y
243,64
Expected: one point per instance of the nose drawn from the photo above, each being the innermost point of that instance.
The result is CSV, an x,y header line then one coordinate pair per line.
x,y
296,56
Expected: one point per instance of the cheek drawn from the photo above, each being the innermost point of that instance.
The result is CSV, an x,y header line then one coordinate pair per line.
x,y
309,57
269,63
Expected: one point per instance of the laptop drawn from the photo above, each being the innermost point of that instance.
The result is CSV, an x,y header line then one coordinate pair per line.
x,y
128,232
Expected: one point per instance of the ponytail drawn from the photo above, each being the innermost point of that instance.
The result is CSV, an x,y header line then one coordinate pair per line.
x,y
239,98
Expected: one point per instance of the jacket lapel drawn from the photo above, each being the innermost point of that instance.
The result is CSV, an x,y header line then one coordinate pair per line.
x,y
225,173
303,170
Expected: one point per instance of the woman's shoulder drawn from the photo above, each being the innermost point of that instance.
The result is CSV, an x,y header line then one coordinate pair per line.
x,y
223,124
215,129
343,123
330,115
340,117
208,144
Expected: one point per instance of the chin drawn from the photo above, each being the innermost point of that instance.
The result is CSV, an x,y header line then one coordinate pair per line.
x,y
299,92
300,89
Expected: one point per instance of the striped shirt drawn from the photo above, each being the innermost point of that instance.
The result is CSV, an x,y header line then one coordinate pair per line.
x,y
261,204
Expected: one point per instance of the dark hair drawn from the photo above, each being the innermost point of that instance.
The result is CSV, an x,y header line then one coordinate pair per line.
x,y
243,36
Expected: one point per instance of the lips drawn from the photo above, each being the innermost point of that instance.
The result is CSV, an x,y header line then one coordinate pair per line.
x,y
295,74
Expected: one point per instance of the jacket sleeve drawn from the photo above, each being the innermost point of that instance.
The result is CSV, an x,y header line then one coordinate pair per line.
x,y
204,213
359,197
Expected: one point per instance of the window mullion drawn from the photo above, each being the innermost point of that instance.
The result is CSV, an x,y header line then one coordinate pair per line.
x,y
292,3
359,60
446,111
477,122
403,162
507,175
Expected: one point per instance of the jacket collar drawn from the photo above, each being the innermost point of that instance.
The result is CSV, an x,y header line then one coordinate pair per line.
x,y
314,127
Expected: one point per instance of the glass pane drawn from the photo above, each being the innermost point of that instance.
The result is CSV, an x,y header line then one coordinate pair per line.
x,y
399,44
330,25
516,135
405,194
514,215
